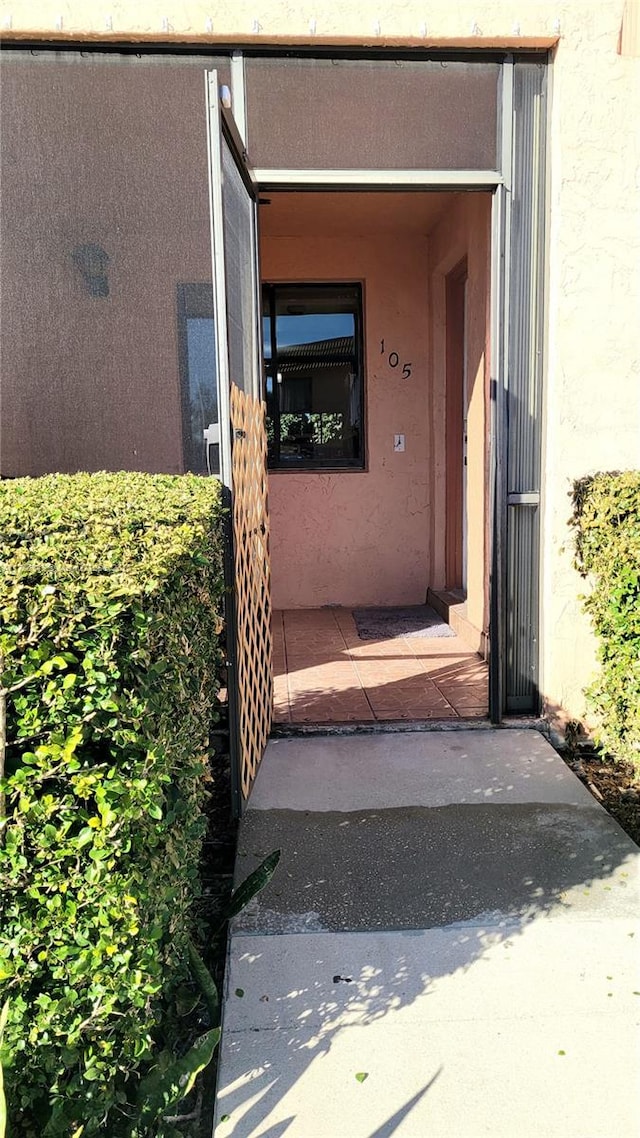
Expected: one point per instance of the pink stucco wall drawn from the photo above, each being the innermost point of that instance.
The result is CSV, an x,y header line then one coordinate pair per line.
x,y
93,383
350,538
378,536
593,268
464,230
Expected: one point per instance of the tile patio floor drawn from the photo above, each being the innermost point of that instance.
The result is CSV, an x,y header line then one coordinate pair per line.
x,y
324,673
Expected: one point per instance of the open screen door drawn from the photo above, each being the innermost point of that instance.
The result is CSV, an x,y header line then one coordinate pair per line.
x,y
240,440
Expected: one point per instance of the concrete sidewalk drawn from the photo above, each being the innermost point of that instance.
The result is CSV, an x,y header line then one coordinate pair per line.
x,y
453,917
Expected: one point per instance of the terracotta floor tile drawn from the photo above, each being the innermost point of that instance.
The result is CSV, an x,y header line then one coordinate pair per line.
x,y
376,678
439,663
464,674
314,670
473,687
391,694
345,621
464,668
417,714
308,646
299,663
325,709
324,624
462,687
463,706
307,641
325,673
385,648
332,715
366,655
303,701
411,702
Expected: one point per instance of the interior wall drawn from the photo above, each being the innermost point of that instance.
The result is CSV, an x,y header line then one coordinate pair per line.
x,y
362,537
464,230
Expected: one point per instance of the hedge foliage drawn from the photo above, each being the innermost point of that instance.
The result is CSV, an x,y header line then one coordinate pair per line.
x,y
110,618
607,543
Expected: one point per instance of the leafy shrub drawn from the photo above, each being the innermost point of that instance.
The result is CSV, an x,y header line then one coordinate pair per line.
x,y
110,601
607,543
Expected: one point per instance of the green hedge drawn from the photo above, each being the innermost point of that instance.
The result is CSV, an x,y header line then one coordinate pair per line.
x,y
110,610
607,543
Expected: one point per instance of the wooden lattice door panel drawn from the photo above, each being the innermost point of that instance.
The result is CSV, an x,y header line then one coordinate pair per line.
x,y
252,582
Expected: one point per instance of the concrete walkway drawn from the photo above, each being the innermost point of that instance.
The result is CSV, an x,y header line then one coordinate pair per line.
x,y
453,917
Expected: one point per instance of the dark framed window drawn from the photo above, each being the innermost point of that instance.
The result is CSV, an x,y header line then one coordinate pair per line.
x,y
312,336
198,366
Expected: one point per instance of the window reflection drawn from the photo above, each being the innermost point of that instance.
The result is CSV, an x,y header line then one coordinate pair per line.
x,y
198,375
313,375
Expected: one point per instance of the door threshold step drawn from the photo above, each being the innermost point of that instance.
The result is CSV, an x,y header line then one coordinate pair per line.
x,y
395,726
451,605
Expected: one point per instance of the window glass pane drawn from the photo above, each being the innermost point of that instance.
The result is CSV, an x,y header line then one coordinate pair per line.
x,y
104,212
197,349
266,337
239,274
372,114
314,328
314,376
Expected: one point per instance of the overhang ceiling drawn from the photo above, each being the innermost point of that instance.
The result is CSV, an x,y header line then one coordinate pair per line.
x,y
351,214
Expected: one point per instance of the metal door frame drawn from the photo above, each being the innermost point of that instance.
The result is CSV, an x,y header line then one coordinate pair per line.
x,y
221,126
517,154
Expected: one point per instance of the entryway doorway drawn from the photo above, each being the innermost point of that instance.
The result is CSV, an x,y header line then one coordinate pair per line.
x,y
359,338
511,179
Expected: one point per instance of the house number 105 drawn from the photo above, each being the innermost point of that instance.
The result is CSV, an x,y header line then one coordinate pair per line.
x,y
394,361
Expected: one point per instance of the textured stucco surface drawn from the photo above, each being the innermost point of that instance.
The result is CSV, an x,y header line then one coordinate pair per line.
x,y
463,231
115,156
378,537
593,357
361,537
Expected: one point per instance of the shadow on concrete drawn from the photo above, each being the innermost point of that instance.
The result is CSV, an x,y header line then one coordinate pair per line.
x,y
420,867
454,883
278,1130
389,1127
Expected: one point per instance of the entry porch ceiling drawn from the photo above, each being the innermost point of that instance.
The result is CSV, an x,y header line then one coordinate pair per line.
x,y
351,213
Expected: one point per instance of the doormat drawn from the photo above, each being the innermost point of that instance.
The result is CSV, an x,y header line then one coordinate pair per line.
x,y
389,624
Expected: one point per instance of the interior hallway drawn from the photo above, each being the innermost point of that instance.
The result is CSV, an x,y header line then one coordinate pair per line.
x,y
324,673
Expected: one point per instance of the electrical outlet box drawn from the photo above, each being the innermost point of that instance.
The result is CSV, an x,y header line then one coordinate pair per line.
x,y
398,443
